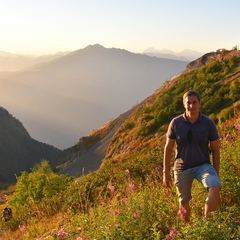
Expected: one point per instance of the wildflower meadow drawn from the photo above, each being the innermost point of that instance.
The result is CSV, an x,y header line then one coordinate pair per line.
x,y
123,200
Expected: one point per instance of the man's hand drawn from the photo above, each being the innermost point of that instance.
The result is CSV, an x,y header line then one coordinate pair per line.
x,y
167,179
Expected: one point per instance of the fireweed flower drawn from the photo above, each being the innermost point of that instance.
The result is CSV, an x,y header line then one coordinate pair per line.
x,y
116,212
228,136
79,238
127,172
131,185
61,233
136,213
111,187
181,213
125,200
172,233
237,126
22,228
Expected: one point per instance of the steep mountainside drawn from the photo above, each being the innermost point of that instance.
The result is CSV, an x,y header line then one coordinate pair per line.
x,y
67,98
144,128
87,155
18,151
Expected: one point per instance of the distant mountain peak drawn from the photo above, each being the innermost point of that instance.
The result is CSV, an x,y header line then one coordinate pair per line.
x,y
96,46
185,55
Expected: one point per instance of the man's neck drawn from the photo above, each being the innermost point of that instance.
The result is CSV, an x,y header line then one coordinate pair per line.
x,y
192,117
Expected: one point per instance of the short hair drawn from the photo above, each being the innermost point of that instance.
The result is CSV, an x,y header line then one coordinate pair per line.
x,y
192,93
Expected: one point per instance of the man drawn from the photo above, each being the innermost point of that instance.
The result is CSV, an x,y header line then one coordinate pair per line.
x,y
193,133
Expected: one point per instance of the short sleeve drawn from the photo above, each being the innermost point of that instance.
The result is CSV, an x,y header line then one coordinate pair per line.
x,y
171,133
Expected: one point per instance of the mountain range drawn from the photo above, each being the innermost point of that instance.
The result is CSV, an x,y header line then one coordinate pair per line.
x,y
61,100
185,55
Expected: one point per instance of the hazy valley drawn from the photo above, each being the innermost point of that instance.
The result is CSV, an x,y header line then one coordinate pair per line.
x,y
61,100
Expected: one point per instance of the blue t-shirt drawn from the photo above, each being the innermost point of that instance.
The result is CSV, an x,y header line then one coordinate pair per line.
x,y
192,140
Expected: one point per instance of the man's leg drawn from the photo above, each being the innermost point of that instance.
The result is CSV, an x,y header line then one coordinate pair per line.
x,y
183,182
212,201
207,175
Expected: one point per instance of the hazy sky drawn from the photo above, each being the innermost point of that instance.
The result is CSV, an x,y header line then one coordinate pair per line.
x,y
49,26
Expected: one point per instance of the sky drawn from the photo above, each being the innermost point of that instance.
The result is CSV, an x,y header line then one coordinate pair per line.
x,y
43,27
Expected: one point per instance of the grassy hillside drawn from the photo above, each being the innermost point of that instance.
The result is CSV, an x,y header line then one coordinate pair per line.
x,y
125,199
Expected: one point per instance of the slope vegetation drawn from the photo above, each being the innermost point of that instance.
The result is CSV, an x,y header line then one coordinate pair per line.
x,y
124,198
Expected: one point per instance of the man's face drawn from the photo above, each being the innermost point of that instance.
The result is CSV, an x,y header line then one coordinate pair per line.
x,y
191,104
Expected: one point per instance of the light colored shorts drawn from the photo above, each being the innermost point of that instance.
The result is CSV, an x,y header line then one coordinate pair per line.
x,y
205,174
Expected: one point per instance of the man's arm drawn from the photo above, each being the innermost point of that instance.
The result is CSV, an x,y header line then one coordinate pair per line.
x,y
214,145
168,150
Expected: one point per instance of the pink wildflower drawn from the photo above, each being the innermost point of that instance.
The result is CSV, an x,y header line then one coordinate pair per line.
x,y
116,212
61,233
131,185
228,136
111,187
127,172
237,126
125,200
79,238
181,213
172,233
22,228
136,213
